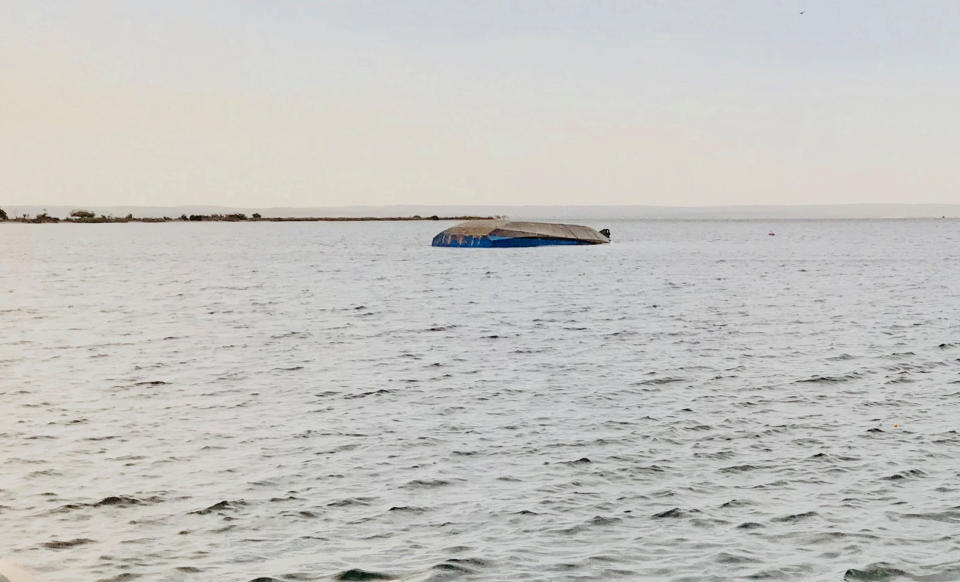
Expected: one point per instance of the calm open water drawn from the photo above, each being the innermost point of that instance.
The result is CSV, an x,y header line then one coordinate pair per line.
x,y
324,401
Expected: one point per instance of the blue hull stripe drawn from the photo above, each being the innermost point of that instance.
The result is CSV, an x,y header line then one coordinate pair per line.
x,y
449,240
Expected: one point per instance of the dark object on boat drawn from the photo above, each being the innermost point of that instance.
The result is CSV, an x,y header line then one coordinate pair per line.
x,y
511,233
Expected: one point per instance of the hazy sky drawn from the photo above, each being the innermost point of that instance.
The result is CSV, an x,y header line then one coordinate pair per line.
x,y
318,103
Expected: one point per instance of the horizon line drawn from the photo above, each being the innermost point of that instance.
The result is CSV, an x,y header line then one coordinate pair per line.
x,y
426,205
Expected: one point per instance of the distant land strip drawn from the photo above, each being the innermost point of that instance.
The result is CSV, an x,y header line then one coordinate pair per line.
x,y
84,217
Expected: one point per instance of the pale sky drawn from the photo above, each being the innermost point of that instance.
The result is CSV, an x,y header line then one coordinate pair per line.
x,y
324,103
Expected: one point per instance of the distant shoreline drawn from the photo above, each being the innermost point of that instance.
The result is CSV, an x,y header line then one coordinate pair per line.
x,y
570,213
236,217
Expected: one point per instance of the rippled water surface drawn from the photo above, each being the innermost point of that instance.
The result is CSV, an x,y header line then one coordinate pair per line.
x,y
323,401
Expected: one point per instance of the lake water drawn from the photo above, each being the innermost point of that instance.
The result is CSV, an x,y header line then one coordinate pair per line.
x,y
324,401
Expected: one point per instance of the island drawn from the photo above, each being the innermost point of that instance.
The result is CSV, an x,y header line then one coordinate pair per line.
x,y
87,217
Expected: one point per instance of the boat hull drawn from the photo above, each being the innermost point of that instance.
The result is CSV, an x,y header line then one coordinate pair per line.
x,y
511,234
448,240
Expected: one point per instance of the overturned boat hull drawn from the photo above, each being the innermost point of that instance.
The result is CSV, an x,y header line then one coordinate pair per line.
x,y
509,233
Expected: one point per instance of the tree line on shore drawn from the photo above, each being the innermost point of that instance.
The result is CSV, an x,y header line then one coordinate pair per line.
x,y
85,216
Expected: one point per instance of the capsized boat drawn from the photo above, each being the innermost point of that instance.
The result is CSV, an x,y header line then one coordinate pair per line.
x,y
512,233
